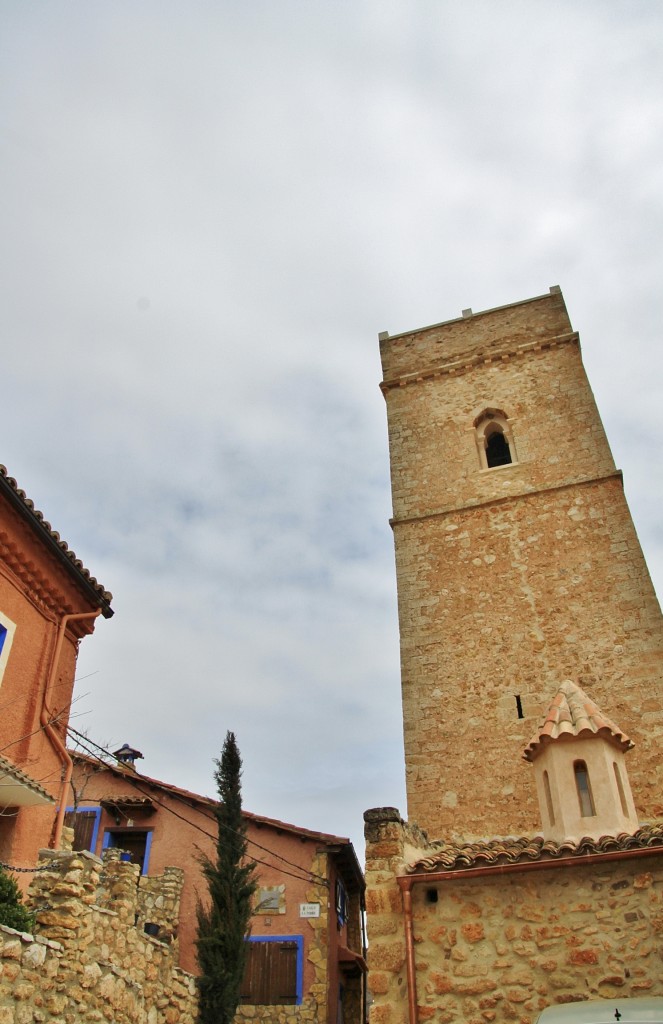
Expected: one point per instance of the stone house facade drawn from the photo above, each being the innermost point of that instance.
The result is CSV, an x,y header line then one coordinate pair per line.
x,y
496,930
518,568
49,602
307,942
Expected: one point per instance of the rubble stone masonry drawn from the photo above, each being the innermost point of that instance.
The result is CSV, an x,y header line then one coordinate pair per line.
x,y
501,947
88,960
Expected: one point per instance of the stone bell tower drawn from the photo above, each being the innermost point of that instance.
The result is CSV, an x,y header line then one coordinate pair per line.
x,y
517,563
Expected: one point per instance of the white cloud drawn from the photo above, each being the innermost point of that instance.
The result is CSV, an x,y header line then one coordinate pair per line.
x,y
210,211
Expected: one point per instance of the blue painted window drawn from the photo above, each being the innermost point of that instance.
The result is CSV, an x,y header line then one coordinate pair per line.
x,y
341,904
7,630
134,841
85,823
274,972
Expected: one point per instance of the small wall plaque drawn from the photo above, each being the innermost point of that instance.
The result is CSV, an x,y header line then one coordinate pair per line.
x,y
309,910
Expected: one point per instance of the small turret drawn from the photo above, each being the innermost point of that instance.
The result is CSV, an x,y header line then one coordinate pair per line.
x,y
581,778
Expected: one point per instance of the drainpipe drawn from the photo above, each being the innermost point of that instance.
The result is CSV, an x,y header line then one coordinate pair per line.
x,y
406,893
406,884
364,953
45,719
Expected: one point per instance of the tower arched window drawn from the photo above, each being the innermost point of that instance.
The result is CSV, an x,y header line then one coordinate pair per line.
x,y
498,452
494,439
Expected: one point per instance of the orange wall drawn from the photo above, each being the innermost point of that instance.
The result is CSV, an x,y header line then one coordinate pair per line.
x,y
35,592
179,843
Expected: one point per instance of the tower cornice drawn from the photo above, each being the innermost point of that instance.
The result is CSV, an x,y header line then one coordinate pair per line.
x,y
456,367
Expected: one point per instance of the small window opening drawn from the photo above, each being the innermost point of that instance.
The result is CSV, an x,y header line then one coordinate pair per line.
x,y
431,895
133,842
494,439
498,452
549,803
620,787
584,789
519,706
341,904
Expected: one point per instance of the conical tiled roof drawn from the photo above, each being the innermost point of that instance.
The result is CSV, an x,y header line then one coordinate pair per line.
x,y
573,713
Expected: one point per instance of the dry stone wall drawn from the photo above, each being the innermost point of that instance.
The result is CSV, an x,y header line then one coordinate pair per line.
x,y
500,948
91,960
88,962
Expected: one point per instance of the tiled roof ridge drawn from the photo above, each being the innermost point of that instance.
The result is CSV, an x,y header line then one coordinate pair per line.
x,y
512,850
131,775
40,522
126,799
8,768
572,713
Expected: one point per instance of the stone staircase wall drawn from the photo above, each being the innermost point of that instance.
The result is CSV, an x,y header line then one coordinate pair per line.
x,y
90,959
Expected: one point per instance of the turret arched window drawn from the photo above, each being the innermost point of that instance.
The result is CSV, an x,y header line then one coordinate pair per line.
x,y
587,809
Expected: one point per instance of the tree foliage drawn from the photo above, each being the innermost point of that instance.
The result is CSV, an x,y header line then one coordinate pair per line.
x,y
12,912
224,919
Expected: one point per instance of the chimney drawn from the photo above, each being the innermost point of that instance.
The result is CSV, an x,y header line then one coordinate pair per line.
x,y
127,756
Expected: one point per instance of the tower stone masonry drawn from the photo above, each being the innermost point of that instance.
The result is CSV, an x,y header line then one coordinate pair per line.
x,y
518,565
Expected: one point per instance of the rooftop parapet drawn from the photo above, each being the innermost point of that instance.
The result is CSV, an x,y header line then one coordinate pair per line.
x,y
486,334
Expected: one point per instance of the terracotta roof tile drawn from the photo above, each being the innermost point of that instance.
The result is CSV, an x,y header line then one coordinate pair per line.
x,y
136,778
573,713
36,519
512,850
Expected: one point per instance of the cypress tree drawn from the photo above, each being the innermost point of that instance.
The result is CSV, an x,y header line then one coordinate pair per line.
x,y
224,919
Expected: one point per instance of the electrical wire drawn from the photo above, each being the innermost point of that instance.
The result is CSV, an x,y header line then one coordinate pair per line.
x,y
308,876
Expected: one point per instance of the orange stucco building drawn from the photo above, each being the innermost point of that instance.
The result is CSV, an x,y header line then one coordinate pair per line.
x,y
49,601
308,905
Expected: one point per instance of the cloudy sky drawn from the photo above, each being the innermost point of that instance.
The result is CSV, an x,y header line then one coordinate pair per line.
x,y
209,211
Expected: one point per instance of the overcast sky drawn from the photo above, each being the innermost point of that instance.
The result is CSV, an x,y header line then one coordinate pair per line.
x,y
209,211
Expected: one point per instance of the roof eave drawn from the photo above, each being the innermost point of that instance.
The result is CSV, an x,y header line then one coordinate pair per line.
x,y
97,596
510,867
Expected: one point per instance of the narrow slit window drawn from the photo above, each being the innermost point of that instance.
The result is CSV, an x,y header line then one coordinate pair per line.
x,y
620,788
549,803
584,789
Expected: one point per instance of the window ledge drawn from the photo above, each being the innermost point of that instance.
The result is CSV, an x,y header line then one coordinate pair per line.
x,y
496,469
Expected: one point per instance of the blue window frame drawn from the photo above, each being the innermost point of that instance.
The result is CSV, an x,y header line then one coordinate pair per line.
x,y
137,841
7,629
270,996
341,903
85,823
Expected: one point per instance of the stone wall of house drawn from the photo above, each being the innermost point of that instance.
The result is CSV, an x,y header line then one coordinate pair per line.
x,y
313,1008
387,838
88,961
501,947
